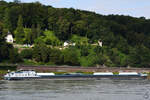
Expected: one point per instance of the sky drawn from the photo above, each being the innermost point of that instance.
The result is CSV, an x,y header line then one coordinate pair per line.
x,y
135,8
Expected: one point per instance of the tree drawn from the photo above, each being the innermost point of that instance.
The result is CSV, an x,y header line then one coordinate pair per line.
x,y
56,56
39,40
26,53
48,38
2,35
139,57
7,20
79,28
51,39
4,47
28,36
63,32
19,32
14,56
84,50
38,29
71,56
52,18
41,53
93,57
79,40
34,32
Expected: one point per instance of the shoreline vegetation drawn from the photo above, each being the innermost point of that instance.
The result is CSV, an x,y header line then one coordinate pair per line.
x,y
5,67
44,35
66,68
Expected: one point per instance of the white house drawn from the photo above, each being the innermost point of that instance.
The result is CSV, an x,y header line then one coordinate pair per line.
x,y
69,44
66,44
9,38
100,43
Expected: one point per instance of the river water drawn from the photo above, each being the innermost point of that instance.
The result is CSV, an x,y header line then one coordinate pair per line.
x,y
75,89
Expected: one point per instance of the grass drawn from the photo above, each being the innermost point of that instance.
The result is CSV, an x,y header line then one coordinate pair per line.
x,y
2,73
60,73
116,73
86,73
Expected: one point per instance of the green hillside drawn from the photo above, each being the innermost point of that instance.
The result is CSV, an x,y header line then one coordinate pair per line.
x,y
126,39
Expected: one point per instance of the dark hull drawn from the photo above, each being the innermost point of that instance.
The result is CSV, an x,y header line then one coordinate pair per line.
x,y
81,77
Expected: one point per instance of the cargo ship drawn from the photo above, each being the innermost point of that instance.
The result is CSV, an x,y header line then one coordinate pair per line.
x,y
31,74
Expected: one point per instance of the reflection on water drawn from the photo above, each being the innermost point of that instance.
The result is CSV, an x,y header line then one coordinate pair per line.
x,y
75,90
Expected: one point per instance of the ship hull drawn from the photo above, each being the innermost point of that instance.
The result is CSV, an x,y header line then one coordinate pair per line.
x,y
127,77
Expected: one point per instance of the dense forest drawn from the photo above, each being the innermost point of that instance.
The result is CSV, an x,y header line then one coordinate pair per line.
x,y
126,39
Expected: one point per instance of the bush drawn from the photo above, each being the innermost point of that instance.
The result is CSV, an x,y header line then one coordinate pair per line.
x,y
41,53
26,53
56,56
71,56
14,56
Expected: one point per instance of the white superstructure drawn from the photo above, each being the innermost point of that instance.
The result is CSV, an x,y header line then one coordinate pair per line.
x,y
103,73
128,73
45,74
21,74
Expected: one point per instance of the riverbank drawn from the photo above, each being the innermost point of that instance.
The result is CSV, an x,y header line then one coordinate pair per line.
x,y
82,69
65,68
